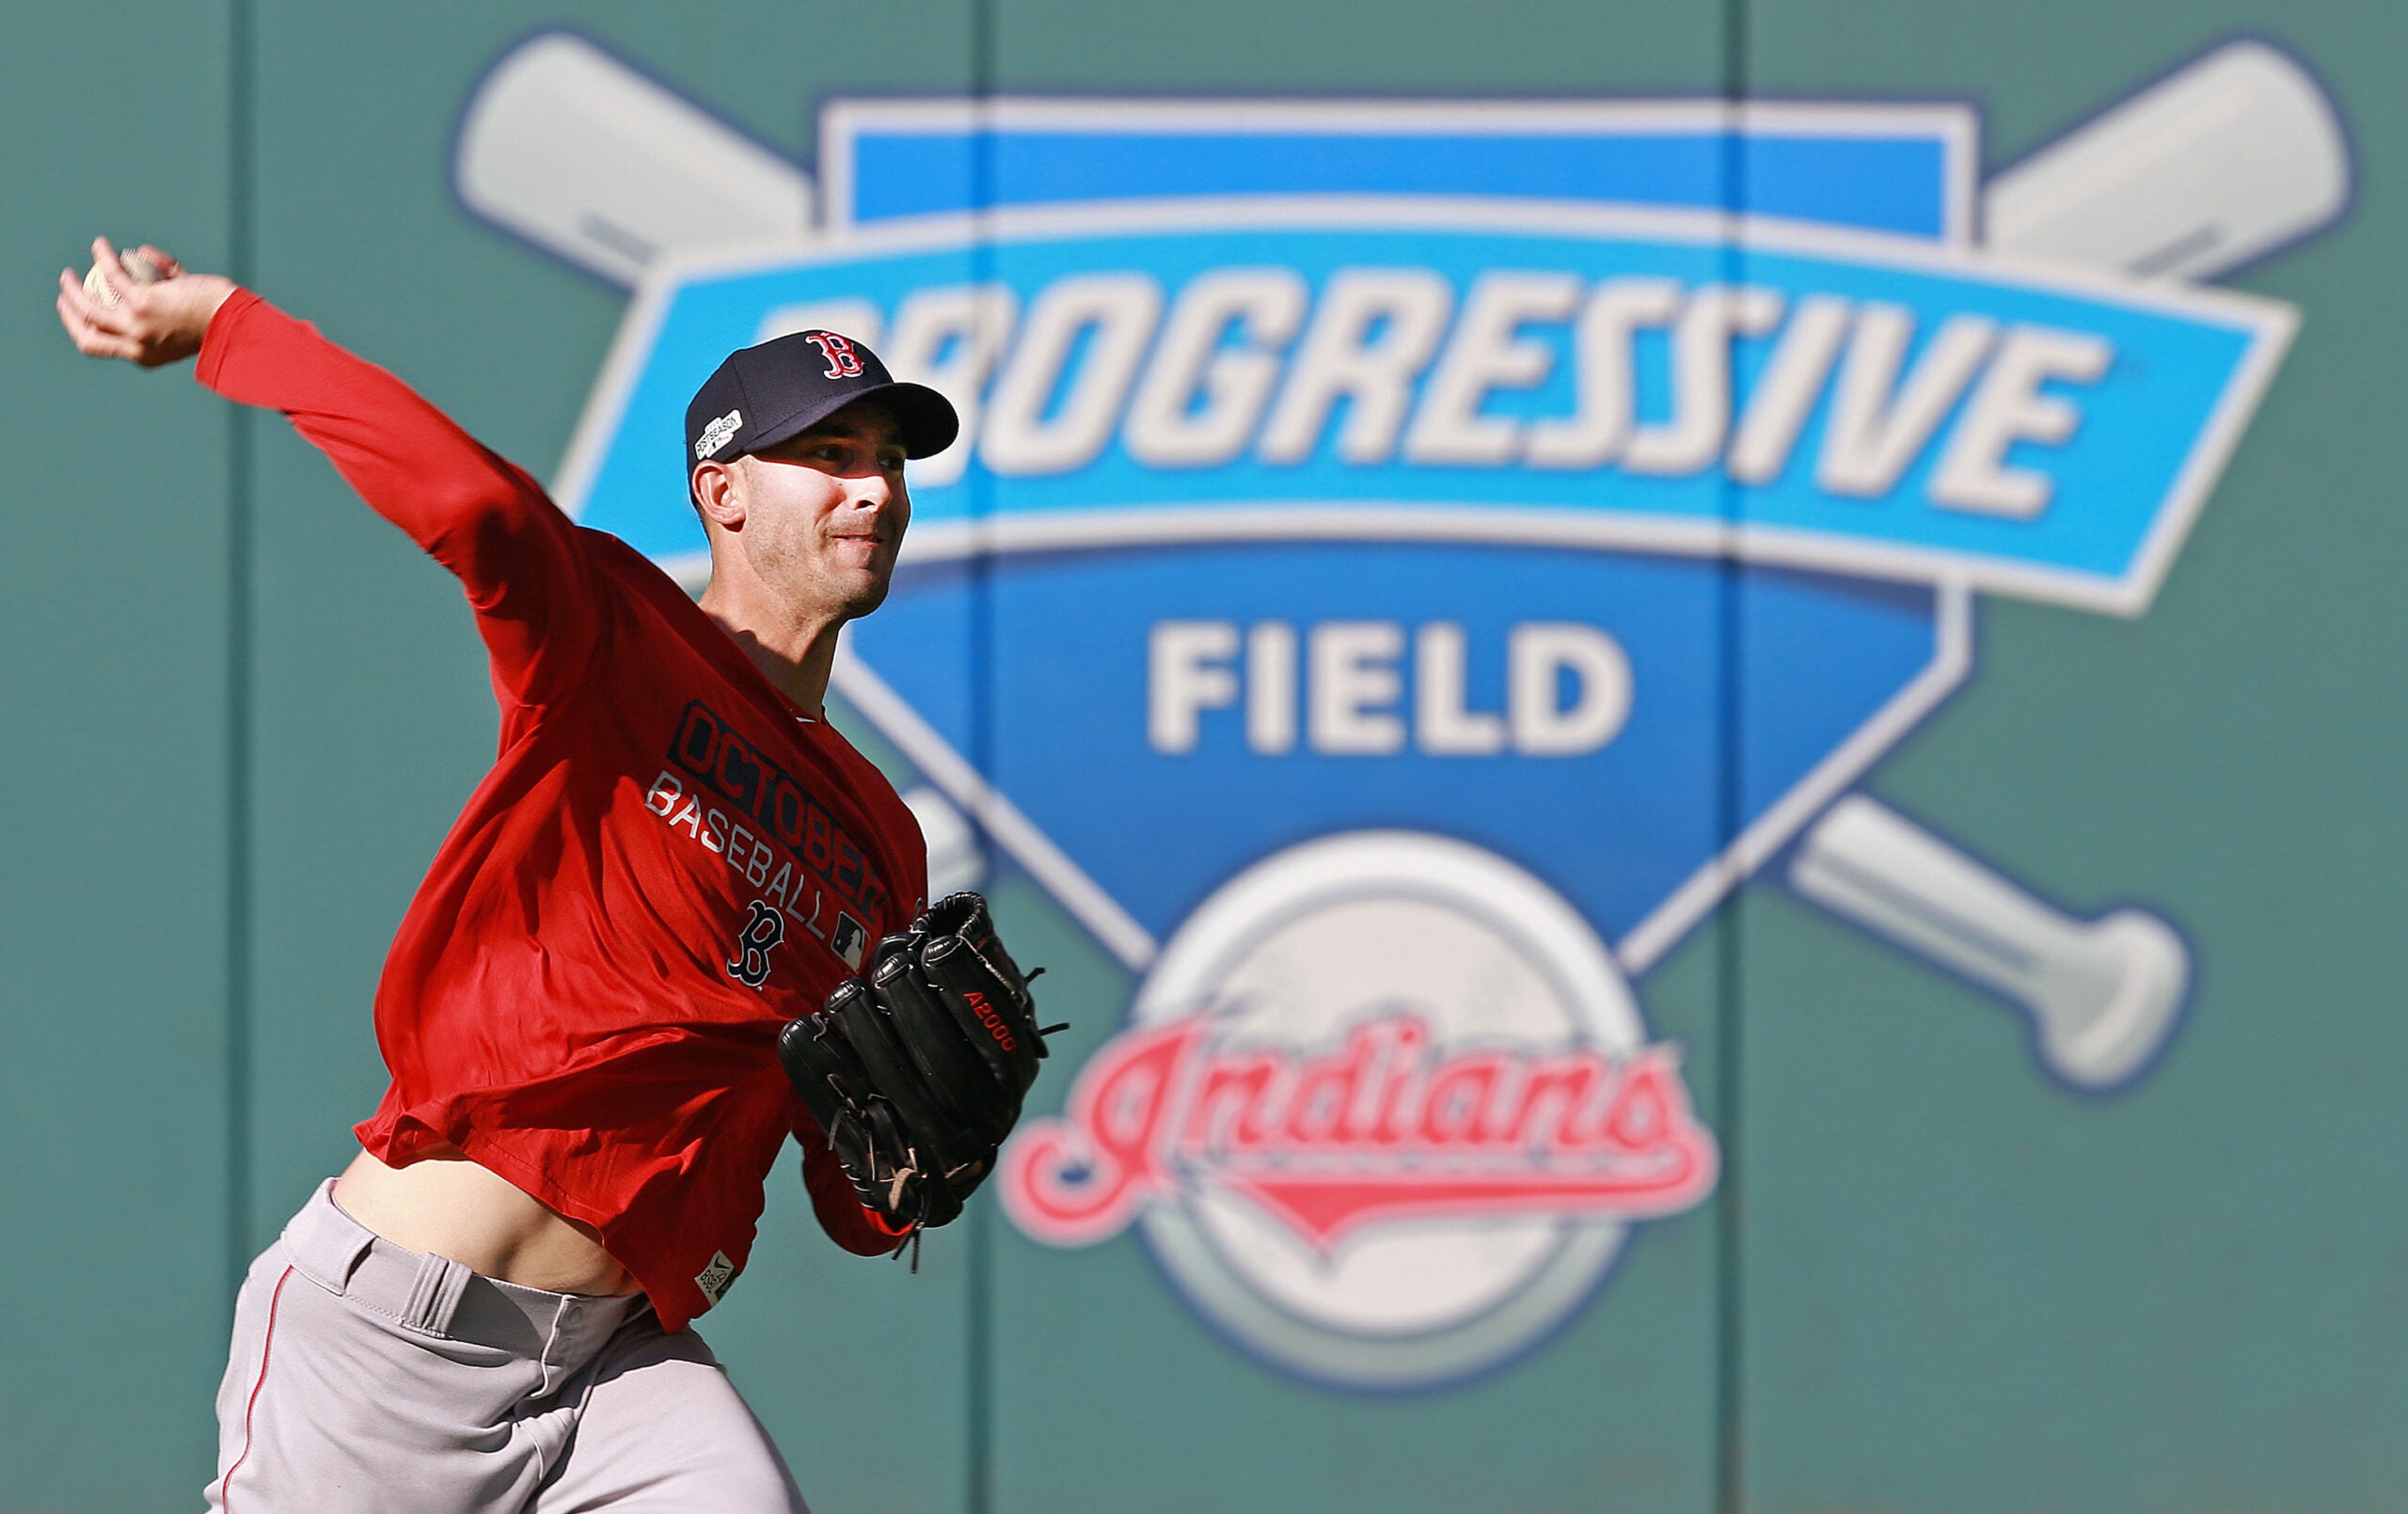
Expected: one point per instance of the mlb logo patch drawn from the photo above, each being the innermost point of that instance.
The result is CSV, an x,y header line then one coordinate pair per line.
x,y
849,940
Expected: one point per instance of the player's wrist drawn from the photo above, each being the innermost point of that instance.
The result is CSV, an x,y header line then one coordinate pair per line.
x,y
199,305
212,291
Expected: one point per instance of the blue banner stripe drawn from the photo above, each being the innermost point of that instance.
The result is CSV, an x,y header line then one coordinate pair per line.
x,y
1876,183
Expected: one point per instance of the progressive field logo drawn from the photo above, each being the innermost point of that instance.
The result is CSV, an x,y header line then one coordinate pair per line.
x,y
1421,559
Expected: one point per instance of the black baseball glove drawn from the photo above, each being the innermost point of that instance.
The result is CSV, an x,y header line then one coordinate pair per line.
x,y
915,1071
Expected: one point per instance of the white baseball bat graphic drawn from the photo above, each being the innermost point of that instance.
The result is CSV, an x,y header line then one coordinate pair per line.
x,y
2103,993
2230,157
580,153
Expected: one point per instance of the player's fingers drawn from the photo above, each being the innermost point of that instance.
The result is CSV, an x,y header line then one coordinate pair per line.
x,y
79,329
167,266
85,324
116,319
90,339
73,295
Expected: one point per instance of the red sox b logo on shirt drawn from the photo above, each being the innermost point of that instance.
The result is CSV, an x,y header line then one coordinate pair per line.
x,y
766,927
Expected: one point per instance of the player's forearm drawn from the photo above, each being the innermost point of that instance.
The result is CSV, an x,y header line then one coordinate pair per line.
x,y
408,460
514,553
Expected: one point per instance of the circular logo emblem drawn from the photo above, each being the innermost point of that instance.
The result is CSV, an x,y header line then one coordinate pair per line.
x,y
1385,1111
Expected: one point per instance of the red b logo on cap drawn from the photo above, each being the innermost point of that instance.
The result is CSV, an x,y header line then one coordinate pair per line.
x,y
843,362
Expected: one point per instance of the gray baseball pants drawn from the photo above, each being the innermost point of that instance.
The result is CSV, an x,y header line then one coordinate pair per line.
x,y
366,1377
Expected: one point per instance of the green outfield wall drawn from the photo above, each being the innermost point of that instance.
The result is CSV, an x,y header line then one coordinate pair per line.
x,y
1933,1271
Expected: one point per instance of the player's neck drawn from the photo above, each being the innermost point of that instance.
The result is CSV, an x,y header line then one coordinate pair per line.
x,y
795,657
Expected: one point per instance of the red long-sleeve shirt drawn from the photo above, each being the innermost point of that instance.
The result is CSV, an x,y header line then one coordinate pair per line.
x,y
566,999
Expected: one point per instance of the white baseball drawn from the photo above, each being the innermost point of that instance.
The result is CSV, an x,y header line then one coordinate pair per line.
x,y
138,267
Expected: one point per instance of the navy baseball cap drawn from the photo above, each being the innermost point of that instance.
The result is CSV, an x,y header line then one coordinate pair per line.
x,y
762,395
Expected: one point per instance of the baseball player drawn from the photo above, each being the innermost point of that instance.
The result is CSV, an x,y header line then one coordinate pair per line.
x,y
674,856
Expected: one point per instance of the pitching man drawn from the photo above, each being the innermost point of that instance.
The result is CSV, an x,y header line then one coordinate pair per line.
x,y
674,860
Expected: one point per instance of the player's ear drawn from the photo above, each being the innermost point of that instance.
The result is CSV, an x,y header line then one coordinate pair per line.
x,y
718,493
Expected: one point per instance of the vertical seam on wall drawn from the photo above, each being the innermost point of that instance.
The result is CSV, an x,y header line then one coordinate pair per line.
x,y
979,1369
1730,1367
239,476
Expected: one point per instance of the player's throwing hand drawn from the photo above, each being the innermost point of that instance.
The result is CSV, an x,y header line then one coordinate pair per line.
x,y
150,323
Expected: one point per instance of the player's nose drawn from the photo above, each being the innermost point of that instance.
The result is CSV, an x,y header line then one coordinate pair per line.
x,y
876,497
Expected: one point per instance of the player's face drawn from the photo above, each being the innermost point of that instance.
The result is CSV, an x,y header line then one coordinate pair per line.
x,y
826,510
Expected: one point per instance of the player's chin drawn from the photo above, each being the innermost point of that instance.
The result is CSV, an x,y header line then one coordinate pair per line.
x,y
864,588
859,572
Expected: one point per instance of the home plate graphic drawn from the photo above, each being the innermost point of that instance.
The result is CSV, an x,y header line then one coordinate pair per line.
x,y
1372,514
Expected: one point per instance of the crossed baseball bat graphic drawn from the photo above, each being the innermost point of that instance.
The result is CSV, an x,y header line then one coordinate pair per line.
x,y
2228,158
